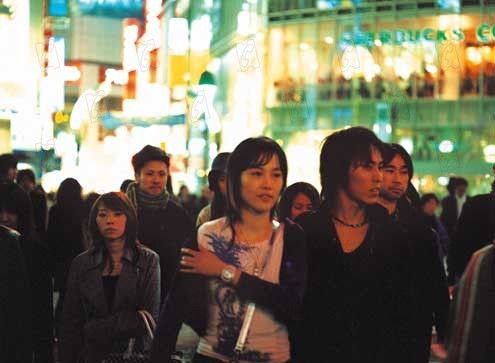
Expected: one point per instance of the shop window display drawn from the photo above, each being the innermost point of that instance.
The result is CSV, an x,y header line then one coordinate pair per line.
x,y
444,58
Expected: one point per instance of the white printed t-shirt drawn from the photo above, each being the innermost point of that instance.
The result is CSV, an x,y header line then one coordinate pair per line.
x,y
267,339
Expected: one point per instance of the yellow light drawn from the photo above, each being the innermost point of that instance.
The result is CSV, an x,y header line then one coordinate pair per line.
x,y
201,173
431,68
60,117
473,55
328,40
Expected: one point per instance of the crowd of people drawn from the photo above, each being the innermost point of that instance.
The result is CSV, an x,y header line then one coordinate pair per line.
x,y
362,271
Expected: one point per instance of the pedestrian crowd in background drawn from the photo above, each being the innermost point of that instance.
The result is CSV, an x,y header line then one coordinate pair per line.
x,y
366,270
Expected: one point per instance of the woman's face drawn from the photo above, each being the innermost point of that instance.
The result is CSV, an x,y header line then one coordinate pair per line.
x,y
430,207
365,180
8,218
301,204
111,223
152,178
261,186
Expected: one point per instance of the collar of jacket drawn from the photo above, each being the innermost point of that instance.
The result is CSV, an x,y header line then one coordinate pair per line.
x,y
96,258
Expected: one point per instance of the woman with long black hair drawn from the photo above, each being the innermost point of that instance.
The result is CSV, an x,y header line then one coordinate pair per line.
x,y
108,286
241,283
65,236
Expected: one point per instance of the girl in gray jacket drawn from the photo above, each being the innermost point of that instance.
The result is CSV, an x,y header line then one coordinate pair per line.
x,y
108,285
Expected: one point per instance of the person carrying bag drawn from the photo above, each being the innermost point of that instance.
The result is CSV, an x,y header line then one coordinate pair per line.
x,y
132,355
112,288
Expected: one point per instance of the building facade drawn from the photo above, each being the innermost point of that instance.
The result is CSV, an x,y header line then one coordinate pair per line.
x,y
420,73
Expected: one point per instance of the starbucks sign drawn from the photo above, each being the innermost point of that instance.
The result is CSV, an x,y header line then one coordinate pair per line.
x,y
485,33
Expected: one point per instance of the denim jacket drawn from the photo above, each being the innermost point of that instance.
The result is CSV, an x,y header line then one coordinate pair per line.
x,y
90,329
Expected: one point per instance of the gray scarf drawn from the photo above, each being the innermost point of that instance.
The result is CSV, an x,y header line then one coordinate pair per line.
x,y
140,199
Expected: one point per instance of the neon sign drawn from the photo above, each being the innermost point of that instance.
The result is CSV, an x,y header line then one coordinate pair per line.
x,y
485,33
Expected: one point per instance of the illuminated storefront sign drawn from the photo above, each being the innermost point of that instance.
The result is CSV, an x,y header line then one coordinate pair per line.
x,y
484,33
58,8
112,8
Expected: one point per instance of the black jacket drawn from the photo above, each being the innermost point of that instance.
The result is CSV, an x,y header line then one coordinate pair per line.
x,y
449,214
40,210
165,231
64,236
90,328
475,229
188,300
15,301
341,322
428,285
39,269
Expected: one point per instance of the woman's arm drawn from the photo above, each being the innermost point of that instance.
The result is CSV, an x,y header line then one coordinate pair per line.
x,y
283,299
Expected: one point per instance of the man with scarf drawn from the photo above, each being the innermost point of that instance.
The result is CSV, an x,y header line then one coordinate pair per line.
x,y
163,225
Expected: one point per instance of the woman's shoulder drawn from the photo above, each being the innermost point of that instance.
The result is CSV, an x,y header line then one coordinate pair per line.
x,y
214,226
146,253
84,259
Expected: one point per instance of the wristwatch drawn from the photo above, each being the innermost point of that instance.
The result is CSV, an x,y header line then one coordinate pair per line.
x,y
228,274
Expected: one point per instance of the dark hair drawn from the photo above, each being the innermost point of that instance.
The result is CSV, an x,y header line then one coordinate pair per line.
x,y
15,200
425,198
116,201
390,151
218,204
69,194
218,168
90,200
125,184
451,185
454,182
287,199
461,181
250,153
7,161
412,196
340,151
26,174
147,154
